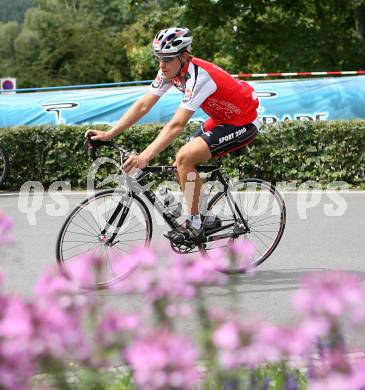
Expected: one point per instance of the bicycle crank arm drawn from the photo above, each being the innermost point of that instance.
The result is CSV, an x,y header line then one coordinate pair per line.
x,y
219,237
218,229
227,235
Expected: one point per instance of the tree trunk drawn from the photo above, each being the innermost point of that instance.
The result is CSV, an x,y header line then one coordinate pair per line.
x,y
360,21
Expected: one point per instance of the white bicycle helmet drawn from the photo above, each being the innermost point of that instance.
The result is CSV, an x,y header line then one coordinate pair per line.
x,y
172,41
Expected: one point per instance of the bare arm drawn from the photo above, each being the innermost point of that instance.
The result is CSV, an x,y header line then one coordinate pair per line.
x,y
166,136
134,113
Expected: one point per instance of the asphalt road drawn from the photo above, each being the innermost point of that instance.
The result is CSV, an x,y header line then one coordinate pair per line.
x,y
323,231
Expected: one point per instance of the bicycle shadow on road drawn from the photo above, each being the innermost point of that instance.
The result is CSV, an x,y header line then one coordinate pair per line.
x,y
273,280
261,281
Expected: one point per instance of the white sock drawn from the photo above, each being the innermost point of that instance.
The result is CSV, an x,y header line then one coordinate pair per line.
x,y
195,220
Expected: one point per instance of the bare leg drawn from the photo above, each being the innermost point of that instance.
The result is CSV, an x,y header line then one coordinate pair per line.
x,y
188,157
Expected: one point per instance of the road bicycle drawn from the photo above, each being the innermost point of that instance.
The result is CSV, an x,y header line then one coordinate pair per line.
x,y
4,165
111,222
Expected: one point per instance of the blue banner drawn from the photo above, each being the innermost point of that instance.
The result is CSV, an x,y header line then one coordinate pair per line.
x,y
312,99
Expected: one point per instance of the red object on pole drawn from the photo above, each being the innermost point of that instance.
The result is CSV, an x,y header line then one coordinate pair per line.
x,y
290,74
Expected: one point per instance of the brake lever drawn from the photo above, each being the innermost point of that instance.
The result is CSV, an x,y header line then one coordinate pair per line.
x,y
90,147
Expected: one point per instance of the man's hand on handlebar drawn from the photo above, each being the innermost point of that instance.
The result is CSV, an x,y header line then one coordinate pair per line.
x,y
131,164
97,135
134,162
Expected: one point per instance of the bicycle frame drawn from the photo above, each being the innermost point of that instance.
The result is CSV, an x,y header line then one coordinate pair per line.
x,y
107,219
137,185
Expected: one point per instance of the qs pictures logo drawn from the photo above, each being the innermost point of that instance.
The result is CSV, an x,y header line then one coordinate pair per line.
x,y
57,109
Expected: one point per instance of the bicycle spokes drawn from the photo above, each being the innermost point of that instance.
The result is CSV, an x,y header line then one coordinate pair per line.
x,y
252,210
107,226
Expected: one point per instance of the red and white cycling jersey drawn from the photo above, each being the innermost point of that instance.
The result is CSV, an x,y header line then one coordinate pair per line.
x,y
205,85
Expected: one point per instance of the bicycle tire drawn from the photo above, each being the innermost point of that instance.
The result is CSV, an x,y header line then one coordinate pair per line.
x,y
256,189
93,212
4,165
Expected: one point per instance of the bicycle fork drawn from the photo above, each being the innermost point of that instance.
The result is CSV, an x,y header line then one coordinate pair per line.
x,y
121,210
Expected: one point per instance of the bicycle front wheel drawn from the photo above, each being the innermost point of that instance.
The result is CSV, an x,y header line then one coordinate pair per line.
x,y
90,229
4,165
255,215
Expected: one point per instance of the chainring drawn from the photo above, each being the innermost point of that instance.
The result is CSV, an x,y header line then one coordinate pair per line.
x,y
183,247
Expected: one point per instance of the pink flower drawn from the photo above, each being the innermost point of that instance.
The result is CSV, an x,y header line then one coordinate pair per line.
x,y
6,225
201,271
291,342
88,270
244,343
330,294
16,321
182,310
116,327
58,313
52,283
254,342
163,360
355,380
83,271
17,357
244,248
122,268
177,277
144,255
59,331
241,254
227,336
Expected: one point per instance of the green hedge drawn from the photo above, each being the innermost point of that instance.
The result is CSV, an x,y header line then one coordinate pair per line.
x,y
323,151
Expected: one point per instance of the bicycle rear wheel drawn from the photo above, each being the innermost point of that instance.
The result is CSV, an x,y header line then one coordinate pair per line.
x,y
4,165
88,230
264,212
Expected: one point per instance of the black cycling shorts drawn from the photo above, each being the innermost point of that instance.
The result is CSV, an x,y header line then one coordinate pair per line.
x,y
225,138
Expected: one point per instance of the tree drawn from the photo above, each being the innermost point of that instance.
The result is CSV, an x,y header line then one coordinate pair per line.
x,y
59,46
14,10
82,41
278,35
359,6
8,34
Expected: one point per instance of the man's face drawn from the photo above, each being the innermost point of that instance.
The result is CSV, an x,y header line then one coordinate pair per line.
x,y
170,66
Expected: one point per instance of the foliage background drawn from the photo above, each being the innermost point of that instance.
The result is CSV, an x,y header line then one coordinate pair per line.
x,y
324,151
63,42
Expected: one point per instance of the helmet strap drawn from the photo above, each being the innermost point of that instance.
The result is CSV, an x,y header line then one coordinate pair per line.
x,y
181,66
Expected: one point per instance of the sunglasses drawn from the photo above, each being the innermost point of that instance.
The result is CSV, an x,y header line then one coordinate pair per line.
x,y
166,59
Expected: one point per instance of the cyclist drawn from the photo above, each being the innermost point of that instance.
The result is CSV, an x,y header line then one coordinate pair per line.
x,y
230,104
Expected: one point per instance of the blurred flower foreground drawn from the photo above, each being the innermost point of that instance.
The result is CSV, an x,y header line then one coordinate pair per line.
x,y
66,337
